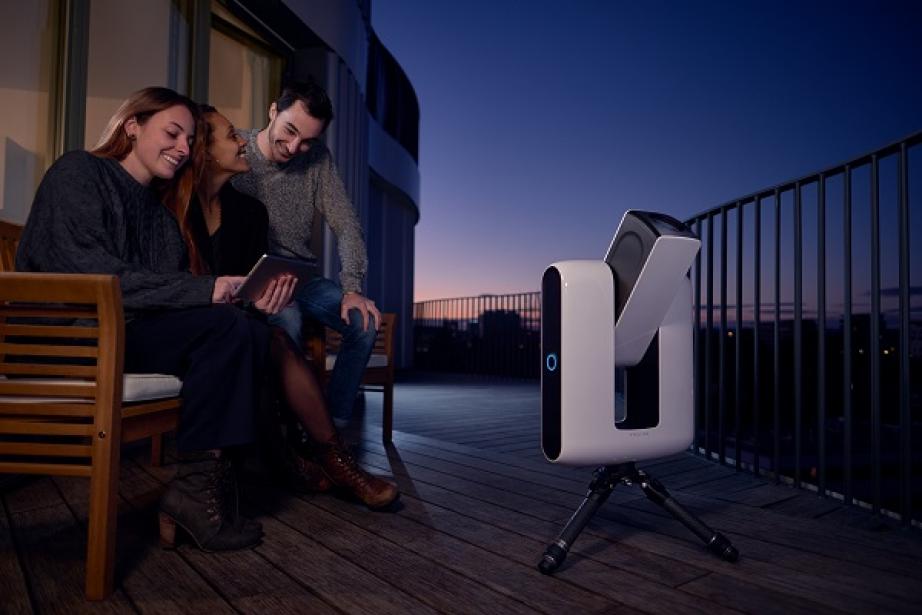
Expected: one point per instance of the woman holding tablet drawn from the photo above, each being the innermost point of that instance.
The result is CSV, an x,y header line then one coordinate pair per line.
x,y
121,209
230,230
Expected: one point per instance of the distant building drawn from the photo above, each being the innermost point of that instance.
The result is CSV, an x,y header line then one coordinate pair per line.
x,y
65,65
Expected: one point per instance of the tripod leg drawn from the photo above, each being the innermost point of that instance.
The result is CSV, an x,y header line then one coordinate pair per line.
x,y
715,542
603,482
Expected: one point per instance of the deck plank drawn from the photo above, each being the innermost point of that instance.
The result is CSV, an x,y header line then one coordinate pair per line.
x,y
473,522
507,560
905,544
334,578
750,597
256,587
13,586
52,545
155,580
837,580
421,576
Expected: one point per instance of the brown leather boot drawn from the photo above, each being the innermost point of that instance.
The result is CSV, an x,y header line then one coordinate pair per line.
x,y
340,466
304,475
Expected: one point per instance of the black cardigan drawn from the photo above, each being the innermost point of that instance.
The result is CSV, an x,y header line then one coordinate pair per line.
x,y
240,240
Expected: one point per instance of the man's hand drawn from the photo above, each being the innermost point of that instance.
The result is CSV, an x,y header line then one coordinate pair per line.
x,y
225,287
364,305
277,294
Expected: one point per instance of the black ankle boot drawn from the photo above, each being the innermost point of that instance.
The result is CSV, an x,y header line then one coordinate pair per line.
x,y
202,500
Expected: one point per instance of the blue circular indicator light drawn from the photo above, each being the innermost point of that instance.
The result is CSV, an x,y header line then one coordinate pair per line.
x,y
550,362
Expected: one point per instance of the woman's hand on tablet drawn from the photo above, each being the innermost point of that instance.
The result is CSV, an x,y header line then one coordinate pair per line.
x,y
277,294
225,288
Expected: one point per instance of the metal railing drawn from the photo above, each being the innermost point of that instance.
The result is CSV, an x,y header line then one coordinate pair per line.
x,y
809,359
808,336
491,334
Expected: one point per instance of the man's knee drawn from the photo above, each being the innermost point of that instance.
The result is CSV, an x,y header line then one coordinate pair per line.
x,y
290,320
356,331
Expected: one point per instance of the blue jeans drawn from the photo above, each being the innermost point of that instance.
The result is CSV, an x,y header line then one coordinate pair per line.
x,y
321,300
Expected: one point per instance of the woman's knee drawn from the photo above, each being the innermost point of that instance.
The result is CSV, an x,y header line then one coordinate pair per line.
x,y
236,327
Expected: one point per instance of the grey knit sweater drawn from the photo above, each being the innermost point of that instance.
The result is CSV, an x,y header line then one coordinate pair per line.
x,y
291,192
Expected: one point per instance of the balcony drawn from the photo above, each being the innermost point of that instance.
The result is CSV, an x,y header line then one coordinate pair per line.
x,y
479,505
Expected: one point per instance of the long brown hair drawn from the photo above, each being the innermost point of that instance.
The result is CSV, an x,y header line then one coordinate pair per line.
x,y
198,228
176,192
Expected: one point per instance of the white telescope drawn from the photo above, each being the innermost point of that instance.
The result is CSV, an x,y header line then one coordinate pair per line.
x,y
616,335
616,380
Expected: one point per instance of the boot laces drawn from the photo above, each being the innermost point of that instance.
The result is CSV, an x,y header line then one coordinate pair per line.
x,y
219,486
355,473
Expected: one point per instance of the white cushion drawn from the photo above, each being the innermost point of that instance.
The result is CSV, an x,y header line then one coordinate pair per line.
x,y
141,387
376,360
135,387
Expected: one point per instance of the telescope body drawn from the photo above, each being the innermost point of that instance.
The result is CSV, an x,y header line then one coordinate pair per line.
x,y
616,335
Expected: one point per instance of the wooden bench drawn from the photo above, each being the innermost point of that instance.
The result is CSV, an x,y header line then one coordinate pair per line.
x,y
322,347
65,403
9,239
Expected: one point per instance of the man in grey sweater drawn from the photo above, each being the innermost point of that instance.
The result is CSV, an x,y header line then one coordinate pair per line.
x,y
293,174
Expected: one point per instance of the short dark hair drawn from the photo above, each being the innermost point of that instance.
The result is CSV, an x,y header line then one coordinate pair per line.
x,y
313,96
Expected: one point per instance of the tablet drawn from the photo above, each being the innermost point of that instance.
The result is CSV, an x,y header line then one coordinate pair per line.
x,y
267,268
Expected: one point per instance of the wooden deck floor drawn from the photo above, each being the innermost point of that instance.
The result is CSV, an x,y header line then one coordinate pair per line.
x,y
478,506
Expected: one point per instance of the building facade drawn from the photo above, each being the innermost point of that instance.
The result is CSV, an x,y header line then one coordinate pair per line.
x,y
66,65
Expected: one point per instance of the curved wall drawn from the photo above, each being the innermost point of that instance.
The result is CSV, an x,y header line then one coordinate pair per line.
x,y
341,25
380,174
393,163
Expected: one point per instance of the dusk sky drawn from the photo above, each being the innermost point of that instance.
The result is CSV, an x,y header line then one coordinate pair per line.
x,y
542,122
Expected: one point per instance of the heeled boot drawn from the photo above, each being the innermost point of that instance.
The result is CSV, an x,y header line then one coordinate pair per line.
x,y
201,500
343,470
232,489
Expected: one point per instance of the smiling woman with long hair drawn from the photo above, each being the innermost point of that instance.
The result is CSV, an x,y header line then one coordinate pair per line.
x,y
231,231
177,190
122,209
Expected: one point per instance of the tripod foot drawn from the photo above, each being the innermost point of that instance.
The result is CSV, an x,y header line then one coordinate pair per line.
x,y
553,557
720,546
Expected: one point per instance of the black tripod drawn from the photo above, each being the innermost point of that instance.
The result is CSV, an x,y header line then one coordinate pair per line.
x,y
604,480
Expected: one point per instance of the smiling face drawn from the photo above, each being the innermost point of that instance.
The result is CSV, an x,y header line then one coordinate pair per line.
x,y
160,145
291,132
226,149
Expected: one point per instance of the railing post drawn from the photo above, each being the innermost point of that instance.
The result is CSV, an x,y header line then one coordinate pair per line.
x,y
906,511
696,344
721,349
708,334
737,359
821,333
798,332
847,334
776,345
875,333
757,323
